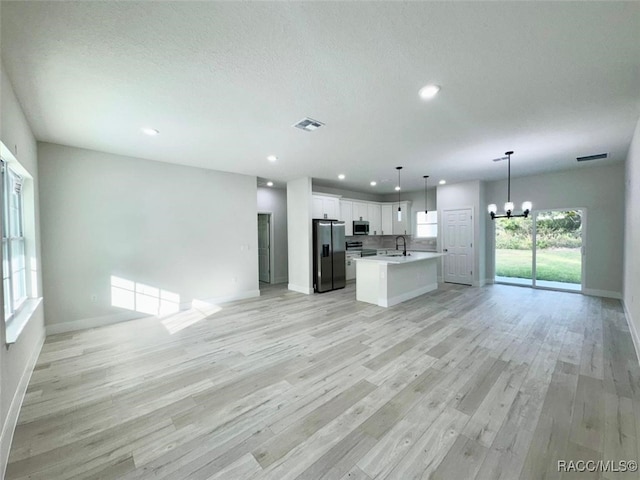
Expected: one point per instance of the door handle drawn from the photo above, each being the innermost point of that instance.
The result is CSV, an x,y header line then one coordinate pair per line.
x,y
445,249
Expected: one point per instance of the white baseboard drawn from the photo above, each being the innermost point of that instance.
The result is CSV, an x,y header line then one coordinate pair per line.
x,y
11,420
93,322
407,296
632,329
602,293
232,298
102,321
299,289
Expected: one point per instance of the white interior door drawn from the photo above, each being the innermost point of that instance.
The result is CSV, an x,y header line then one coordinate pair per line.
x,y
264,259
457,238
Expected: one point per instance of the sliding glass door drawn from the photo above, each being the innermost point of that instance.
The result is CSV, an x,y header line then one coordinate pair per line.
x,y
558,249
543,251
514,253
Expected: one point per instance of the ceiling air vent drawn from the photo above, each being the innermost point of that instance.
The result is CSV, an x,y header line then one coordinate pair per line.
x,y
593,157
308,124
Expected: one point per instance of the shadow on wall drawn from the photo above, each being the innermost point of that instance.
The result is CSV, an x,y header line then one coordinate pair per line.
x,y
142,298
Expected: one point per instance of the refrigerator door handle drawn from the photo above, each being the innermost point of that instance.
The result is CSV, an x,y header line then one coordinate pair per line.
x,y
325,249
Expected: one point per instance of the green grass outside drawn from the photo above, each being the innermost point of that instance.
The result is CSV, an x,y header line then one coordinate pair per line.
x,y
556,265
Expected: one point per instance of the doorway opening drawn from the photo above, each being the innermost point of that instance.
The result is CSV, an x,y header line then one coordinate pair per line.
x,y
264,248
543,251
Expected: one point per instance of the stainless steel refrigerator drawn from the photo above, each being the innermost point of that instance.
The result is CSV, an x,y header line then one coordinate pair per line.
x,y
328,255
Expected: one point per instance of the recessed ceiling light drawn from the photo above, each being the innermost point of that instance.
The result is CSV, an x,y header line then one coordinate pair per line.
x,y
269,184
341,176
442,182
272,158
373,184
150,131
397,188
428,91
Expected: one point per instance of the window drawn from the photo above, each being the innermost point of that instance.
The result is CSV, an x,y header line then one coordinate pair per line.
x,y
427,225
14,268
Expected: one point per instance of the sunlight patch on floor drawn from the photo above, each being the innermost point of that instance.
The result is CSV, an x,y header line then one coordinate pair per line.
x,y
199,311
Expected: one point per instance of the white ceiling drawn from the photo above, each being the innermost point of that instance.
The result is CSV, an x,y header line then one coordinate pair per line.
x,y
224,82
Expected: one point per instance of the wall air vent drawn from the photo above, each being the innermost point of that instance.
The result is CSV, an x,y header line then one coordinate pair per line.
x,y
308,124
593,157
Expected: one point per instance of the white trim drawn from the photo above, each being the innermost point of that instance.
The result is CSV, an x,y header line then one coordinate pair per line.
x,y
11,420
632,330
284,279
102,321
601,293
407,296
93,322
233,298
322,194
299,289
16,325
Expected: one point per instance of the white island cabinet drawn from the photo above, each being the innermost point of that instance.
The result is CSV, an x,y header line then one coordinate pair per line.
x,y
389,280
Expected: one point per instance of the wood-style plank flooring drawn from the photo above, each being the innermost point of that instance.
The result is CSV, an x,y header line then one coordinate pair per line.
x,y
488,383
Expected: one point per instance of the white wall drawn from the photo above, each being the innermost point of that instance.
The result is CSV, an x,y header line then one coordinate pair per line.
x,y
599,189
299,232
466,195
274,201
182,229
631,296
17,360
370,197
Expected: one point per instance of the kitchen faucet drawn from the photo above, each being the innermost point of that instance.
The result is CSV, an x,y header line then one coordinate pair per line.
x,y
404,245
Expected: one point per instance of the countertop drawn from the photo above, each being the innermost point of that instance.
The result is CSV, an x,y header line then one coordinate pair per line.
x,y
410,258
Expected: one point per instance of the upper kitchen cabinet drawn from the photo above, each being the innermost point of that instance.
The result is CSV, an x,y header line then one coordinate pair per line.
x,y
346,215
402,227
386,219
325,206
374,217
360,211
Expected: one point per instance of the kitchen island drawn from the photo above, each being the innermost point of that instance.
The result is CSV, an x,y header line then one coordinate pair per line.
x,y
387,280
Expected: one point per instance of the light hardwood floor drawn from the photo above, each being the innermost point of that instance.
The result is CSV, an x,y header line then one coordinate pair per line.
x,y
489,383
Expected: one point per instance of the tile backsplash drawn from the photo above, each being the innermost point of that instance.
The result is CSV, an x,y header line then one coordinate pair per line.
x,y
389,241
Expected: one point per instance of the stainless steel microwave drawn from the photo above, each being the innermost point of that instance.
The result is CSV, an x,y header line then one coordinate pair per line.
x,y
360,227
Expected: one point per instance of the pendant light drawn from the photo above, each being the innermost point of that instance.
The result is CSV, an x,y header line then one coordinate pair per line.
x,y
425,194
508,207
398,188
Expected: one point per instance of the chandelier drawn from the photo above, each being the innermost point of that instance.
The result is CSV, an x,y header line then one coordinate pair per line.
x,y
508,206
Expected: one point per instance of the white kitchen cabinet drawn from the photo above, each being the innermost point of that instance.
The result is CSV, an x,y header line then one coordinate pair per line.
x,y
386,219
402,227
375,219
360,211
346,215
326,207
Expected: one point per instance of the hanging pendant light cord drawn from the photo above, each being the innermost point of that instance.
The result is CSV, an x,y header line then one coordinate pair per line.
x,y
425,194
398,168
509,176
